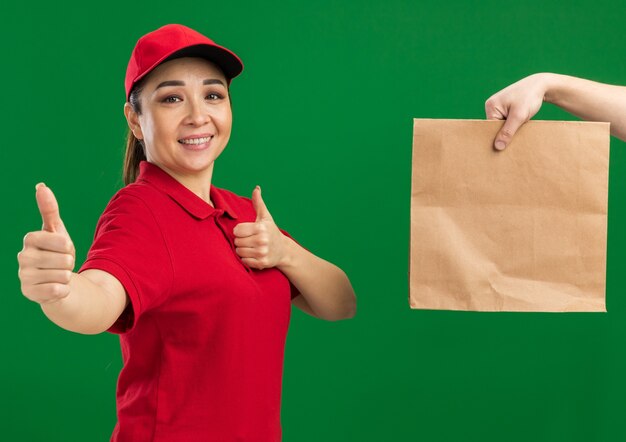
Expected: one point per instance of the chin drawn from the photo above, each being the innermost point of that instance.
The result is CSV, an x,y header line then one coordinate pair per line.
x,y
198,165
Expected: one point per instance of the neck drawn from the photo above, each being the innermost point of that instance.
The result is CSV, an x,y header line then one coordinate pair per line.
x,y
199,182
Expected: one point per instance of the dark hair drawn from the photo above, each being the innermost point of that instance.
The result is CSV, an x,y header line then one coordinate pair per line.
x,y
135,150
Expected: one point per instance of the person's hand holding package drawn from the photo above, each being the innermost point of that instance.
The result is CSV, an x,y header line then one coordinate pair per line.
x,y
589,100
536,241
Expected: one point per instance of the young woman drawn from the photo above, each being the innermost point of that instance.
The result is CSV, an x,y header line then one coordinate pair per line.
x,y
197,281
586,99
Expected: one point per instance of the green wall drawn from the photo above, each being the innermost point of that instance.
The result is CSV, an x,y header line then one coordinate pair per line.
x,y
323,121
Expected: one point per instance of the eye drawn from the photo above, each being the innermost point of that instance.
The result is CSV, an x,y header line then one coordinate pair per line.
x,y
171,99
214,96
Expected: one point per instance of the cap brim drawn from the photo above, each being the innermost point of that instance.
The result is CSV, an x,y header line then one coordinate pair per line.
x,y
227,61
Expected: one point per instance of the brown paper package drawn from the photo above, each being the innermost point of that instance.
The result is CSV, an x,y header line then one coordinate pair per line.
x,y
523,229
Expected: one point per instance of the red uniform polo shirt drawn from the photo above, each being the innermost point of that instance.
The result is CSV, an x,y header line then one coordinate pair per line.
x,y
203,337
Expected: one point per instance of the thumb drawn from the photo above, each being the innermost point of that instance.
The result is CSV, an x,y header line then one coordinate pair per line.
x,y
49,209
507,131
259,206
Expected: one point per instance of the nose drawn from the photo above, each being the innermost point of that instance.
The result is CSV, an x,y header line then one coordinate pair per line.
x,y
198,113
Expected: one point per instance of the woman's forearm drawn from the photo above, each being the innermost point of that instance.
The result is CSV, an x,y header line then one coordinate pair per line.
x,y
92,306
324,286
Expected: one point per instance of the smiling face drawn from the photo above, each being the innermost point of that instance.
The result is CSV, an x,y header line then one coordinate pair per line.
x,y
185,118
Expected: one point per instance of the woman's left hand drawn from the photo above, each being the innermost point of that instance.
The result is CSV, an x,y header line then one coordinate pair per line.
x,y
324,290
260,244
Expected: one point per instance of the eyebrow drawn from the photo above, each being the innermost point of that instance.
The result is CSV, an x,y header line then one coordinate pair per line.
x,y
182,83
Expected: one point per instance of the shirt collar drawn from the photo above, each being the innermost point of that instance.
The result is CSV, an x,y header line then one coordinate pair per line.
x,y
188,200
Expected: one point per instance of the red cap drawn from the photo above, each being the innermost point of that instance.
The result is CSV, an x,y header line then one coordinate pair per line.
x,y
176,41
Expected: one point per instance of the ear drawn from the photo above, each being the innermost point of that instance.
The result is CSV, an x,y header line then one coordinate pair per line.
x,y
132,118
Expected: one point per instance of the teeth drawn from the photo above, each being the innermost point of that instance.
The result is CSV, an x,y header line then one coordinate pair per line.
x,y
195,140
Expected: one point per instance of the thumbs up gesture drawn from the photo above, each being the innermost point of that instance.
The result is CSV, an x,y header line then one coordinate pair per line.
x,y
260,244
47,259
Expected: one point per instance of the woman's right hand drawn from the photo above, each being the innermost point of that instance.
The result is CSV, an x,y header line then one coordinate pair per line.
x,y
516,104
47,260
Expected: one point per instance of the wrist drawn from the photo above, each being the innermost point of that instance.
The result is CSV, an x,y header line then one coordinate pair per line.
x,y
551,86
287,258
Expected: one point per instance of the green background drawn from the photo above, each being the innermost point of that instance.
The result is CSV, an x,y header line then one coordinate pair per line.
x,y
323,121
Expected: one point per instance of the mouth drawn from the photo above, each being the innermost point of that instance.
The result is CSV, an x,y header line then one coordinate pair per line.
x,y
196,143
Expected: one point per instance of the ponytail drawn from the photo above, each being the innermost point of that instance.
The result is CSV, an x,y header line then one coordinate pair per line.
x,y
135,151
134,155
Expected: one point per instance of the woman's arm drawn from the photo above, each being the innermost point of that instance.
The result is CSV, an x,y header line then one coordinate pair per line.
x,y
325,289
94,302
89,302
586,99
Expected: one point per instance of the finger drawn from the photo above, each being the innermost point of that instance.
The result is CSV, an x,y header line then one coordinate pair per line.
x,y
32,276
45,293
243,230
248,241
253,263
248,252
53,242
262,213
252,241
49,209
43,259
493,111
508,130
